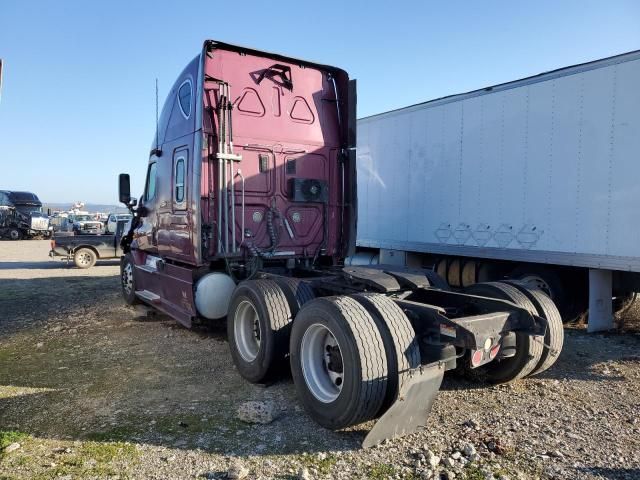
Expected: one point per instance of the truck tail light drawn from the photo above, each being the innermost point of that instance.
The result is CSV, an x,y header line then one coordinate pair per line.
x,y
494,351
476,358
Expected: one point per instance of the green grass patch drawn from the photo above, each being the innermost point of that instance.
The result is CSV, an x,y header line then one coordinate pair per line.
x,y
7,437
381,471
107,452
473,472
93,460
182,426
323,466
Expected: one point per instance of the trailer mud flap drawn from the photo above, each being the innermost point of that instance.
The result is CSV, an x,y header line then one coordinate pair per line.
x,y
410,410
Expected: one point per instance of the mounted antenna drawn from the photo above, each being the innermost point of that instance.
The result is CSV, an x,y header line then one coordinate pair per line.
x,y
157,151
0,77
157,121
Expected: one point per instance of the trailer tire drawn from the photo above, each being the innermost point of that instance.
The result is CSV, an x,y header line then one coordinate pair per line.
x,y
258,329
338,329
399,338
554,335
297,292
84,258
622,303
528,348
128,280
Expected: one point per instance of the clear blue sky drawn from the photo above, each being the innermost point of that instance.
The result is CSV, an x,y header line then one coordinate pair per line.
x,y
77,103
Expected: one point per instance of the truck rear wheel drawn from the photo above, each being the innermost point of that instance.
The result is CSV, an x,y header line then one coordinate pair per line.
x,y
554,335
297,292
84,258
258,328
338,362
528,349
399,338
567,291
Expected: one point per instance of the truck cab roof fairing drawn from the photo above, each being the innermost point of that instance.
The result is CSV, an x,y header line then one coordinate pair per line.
x,y
341,76
172,123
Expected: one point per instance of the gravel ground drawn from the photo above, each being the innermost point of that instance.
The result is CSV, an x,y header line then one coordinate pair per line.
x,y
91,388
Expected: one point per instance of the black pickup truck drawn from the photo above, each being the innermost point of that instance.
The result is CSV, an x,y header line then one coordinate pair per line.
x,y
86,249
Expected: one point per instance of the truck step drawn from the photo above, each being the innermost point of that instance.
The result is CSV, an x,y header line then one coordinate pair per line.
x,y
148,296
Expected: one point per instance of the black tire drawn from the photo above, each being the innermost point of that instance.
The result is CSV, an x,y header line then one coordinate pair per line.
x,y
399,338
272,329
622,303
128,280
84,258
297,292
362,355
528,348
568,291
554,335
15,234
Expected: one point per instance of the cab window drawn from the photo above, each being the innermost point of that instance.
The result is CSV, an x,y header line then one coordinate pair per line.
x,y
151,183
184,98
179,187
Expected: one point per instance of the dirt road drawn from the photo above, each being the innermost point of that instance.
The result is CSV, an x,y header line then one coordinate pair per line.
x,y
90,388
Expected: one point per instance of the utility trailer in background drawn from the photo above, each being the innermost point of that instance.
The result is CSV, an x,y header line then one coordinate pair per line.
x,y
535,179
248,214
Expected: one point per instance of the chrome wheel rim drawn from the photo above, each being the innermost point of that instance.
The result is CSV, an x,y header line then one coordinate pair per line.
x,y
534,281
127,279
246,327
322,364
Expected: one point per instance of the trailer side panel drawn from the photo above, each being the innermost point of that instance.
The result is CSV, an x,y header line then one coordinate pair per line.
x,y
540,170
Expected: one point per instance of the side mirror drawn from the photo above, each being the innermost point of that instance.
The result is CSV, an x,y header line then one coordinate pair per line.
x,y
124,188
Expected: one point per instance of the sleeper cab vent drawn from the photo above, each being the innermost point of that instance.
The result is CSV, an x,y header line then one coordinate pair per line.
x,y
291,166
264,162
308,190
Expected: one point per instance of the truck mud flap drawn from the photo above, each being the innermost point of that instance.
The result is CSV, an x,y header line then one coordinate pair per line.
x,y
412,406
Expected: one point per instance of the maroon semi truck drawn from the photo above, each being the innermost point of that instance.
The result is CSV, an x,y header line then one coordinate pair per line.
x,y
248,214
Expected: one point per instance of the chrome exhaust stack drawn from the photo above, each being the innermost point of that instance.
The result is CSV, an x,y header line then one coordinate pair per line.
x,y
226,174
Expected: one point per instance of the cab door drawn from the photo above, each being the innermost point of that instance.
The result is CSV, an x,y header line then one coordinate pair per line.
x,y
181,230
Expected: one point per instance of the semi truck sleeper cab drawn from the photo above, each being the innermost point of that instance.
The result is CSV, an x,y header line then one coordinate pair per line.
x,y
248,214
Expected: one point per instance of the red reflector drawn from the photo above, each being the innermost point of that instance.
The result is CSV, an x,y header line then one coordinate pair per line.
x,y
476,358
494,351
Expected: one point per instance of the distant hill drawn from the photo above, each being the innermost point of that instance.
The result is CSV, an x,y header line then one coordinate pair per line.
x,y
89,207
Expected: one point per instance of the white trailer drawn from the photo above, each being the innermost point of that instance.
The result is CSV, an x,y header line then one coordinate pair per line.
x,y
537,178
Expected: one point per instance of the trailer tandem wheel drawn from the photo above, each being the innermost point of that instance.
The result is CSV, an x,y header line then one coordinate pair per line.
x,y
258,328
528,348
399,338
554,334
338,362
